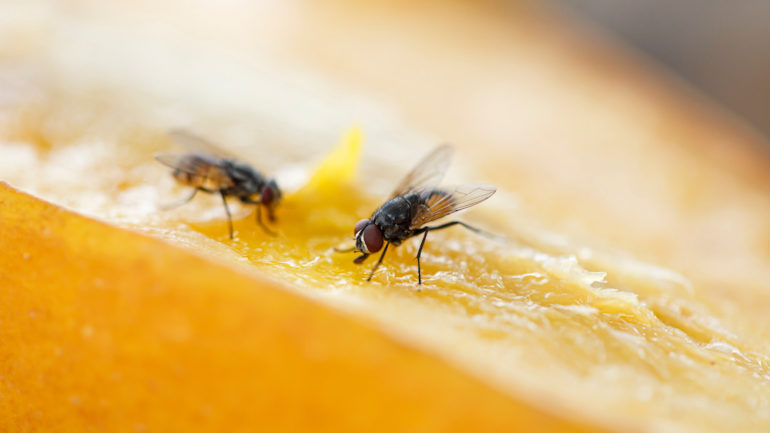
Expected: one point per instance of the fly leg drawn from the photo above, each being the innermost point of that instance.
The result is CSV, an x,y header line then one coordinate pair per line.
x,y
227,209
344,250
476,230
262,224
186,200
384,250
442,226
452,223
419,253
181,202
259,216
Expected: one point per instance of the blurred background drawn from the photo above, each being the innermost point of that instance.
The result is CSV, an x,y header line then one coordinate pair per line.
x,y
720,48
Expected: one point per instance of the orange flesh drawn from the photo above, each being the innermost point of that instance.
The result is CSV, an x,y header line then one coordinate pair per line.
x,y
102,331
516,314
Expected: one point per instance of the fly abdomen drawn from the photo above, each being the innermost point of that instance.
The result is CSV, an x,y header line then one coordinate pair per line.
x,y
198,171
430,197
190,179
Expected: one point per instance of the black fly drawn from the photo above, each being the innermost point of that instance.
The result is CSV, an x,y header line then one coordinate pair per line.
x,y
415,202
208,169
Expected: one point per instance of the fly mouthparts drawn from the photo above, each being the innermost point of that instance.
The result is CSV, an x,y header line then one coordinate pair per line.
x,y
360,259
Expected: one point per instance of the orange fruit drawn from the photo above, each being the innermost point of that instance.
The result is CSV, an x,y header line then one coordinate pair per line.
x,y
629,294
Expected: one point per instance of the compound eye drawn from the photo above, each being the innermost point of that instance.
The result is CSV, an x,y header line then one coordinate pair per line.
x,y
372,238
360,225
267,195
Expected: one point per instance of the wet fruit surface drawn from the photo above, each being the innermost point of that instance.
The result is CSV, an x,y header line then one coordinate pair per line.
x,y
506,311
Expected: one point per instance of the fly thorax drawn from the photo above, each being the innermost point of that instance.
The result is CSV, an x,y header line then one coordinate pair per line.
x,y
246,179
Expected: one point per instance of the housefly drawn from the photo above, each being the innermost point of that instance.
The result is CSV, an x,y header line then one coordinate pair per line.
x,y
416,202
209,169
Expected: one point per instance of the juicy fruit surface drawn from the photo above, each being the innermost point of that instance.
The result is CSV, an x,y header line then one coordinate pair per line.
x,y
102,332
539,324
517,315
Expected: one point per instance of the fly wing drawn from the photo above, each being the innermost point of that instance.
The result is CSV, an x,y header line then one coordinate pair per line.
x,y
428,172
444,201
196,144
196,165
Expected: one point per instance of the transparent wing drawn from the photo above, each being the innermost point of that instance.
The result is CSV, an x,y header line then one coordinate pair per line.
x,y
197,165
428,172
443,201
194,143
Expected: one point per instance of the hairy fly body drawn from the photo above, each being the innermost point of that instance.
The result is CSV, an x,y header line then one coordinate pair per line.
x,y
209,169
416,202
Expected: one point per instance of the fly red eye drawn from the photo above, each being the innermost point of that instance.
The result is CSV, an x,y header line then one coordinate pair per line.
x,y
360,225
267,195
372,238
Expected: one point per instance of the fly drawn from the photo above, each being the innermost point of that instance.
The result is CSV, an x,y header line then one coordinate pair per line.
x,y
209,169
417,201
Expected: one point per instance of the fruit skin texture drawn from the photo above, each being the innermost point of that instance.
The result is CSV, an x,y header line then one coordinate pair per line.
x,y
104,329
